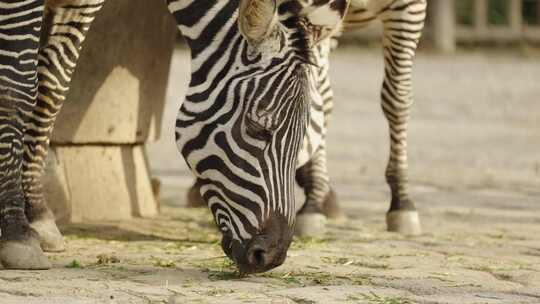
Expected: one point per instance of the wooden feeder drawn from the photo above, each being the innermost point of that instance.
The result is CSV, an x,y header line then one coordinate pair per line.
x,y
98,168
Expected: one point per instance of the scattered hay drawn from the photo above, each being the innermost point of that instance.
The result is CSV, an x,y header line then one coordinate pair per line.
x,y
164,263
105,259
75,264
307,278
342,261
300,243
373,298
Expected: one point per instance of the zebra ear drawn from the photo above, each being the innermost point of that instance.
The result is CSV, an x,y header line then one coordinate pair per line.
x,y
327,19
257,20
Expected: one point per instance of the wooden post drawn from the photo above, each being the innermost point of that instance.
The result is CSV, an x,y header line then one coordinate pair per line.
x,y
444,25
98,170
515,16
480,16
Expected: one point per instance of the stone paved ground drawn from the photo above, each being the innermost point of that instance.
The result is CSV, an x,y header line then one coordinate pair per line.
x,y
475,175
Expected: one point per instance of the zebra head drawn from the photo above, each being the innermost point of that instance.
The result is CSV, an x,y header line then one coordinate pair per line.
x,y
243,121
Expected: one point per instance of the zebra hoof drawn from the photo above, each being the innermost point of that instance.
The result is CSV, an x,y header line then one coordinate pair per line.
x,y
404,222
310,225
50,238
331,208
23,254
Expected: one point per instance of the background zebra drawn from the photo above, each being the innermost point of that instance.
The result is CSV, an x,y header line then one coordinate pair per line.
x,y
403,21
240,129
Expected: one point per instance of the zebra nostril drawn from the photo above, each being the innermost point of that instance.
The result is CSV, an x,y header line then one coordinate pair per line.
x,y
257,257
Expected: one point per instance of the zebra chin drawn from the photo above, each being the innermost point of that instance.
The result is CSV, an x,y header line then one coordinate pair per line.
x,y
264,251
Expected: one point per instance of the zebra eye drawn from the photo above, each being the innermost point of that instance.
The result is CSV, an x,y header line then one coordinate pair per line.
x,y
255,130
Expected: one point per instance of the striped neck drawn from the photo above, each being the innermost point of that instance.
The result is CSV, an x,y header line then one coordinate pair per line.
x,y
205,23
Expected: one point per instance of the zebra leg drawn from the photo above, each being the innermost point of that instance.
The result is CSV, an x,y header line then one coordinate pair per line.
x,y
65,28
321,200
19,44
403,22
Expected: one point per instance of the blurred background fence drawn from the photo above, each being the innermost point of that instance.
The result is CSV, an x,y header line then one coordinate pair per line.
x,y
451,22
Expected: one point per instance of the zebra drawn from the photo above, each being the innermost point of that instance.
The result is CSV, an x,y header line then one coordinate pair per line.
x,y
403,22
240,130
38,52
243,146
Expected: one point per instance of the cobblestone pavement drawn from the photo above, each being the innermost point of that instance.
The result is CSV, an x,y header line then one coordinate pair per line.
x,y
475,175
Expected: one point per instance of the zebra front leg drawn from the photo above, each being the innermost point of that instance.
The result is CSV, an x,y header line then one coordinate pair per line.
x,y
19,45
403,22
321,201
19,243
66,26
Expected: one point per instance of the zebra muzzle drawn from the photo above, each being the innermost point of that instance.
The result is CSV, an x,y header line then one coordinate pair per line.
x,y
259,255
262,252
